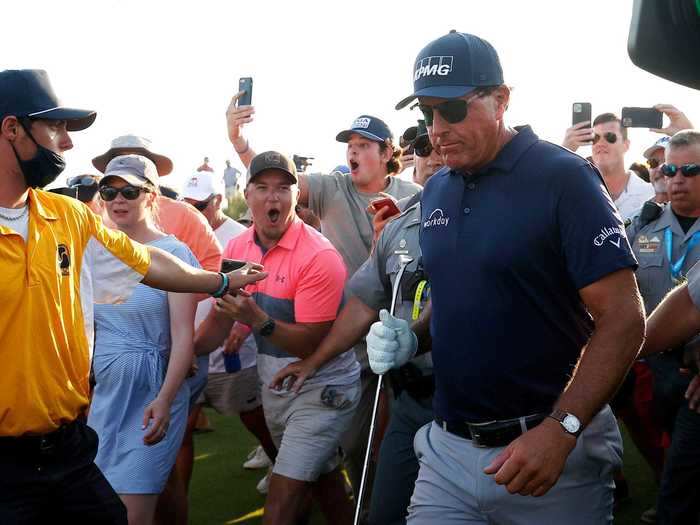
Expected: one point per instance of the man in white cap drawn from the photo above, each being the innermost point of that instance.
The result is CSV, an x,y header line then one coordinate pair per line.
x,y
233,387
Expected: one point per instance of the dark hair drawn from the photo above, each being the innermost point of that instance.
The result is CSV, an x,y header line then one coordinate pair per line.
x,y
603,118
641,170
394,166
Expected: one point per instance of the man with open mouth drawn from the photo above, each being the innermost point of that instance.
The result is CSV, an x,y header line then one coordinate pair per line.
x,y
341,201
290,315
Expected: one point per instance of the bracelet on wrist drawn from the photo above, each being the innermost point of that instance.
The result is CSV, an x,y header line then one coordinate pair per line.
x,y
221,291
247,147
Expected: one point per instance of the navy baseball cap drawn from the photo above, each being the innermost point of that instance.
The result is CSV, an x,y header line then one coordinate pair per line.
x,y
28,93
370,127
453,66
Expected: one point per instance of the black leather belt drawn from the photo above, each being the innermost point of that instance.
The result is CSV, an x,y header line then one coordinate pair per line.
x,y
494,433
44,444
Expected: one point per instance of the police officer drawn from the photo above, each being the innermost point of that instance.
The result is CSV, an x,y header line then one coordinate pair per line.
x,y
371,288
667,248
528,264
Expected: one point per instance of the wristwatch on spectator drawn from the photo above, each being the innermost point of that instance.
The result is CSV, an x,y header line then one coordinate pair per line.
x,y
266,328
569,422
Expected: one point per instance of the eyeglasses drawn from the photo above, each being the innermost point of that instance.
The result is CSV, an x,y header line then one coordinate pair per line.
x,y
423,148
609,137
453,110
202,205
130,193
82,180
653,163
688,170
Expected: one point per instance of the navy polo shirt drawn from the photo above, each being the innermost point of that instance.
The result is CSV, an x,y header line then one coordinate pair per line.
x,y
507,250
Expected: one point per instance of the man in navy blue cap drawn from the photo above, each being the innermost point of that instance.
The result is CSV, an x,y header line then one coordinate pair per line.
x,y
529,265
341,201
57,260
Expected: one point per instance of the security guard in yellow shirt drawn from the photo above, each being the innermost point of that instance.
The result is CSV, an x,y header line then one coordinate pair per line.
x,y
57,259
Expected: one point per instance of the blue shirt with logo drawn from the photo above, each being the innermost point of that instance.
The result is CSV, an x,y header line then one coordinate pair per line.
x,y
508,249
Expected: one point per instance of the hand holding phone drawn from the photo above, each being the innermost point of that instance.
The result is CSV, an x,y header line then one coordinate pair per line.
x,y
650,118
386,202
245,84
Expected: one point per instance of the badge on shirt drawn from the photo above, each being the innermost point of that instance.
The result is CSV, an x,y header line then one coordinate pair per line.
x,y
63,259
647,245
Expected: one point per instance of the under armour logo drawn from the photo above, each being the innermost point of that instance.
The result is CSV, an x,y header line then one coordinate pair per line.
x,y
279,278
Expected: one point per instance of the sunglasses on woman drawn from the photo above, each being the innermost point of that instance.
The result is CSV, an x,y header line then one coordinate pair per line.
x,y
653,163
609,137
687,170
130,193
202,205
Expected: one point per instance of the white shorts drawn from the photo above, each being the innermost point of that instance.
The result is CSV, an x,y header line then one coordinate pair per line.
x,y
306,428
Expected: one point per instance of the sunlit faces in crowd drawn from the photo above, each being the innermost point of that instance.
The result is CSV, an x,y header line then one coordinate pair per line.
x,y
272,198
127,205
684,191
609,146
366,159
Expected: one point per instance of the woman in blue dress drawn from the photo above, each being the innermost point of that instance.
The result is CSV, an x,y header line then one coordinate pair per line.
x,y
143,351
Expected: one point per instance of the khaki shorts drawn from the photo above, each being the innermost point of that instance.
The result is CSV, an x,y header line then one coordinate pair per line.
x,y
306,428
231,394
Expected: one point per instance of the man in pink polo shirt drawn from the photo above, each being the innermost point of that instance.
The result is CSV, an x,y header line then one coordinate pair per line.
x,y
290,313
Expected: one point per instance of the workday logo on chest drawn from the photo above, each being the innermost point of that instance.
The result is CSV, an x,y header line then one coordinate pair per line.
x,y
436,219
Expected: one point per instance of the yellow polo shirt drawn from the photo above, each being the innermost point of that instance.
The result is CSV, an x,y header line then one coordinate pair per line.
x,y
70,259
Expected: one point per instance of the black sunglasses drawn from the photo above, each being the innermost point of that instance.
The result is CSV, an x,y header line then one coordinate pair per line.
x,y
202,205
609,137
130,193
653,163
688,170
423,148
452,111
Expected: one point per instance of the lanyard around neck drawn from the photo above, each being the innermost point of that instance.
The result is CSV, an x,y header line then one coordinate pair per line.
x,y
677,267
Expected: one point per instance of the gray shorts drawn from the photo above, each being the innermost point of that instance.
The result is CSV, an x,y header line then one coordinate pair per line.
x,y
231,394
451,487
306,428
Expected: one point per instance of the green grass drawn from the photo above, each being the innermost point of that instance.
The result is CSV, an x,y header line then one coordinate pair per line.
x,y
221,491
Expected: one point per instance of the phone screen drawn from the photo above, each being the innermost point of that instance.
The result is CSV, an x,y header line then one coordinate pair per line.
x,y
245,84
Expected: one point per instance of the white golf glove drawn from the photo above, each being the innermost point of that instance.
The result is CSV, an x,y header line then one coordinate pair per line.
x,y
390,343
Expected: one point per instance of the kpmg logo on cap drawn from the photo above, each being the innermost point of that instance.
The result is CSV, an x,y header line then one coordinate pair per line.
x,y
431,66
273,157
361,123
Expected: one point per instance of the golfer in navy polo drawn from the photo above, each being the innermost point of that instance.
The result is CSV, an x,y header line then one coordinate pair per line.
x,y
536,316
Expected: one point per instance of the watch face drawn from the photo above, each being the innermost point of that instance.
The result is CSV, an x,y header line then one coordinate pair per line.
x,y
571,424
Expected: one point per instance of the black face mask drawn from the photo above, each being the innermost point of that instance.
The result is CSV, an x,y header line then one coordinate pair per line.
x,y
43,168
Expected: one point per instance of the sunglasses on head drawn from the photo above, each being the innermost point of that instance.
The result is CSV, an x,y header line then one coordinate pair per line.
x,y
130,193
653,163
82,180
687,170
610,137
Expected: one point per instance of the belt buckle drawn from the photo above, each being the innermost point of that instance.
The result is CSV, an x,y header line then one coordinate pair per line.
x,y
46,446
475,431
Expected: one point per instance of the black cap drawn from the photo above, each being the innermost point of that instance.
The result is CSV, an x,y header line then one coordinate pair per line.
x,y
270,160
28,93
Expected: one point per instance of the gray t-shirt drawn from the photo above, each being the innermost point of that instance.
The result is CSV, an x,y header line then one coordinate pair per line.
x,y
343,213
